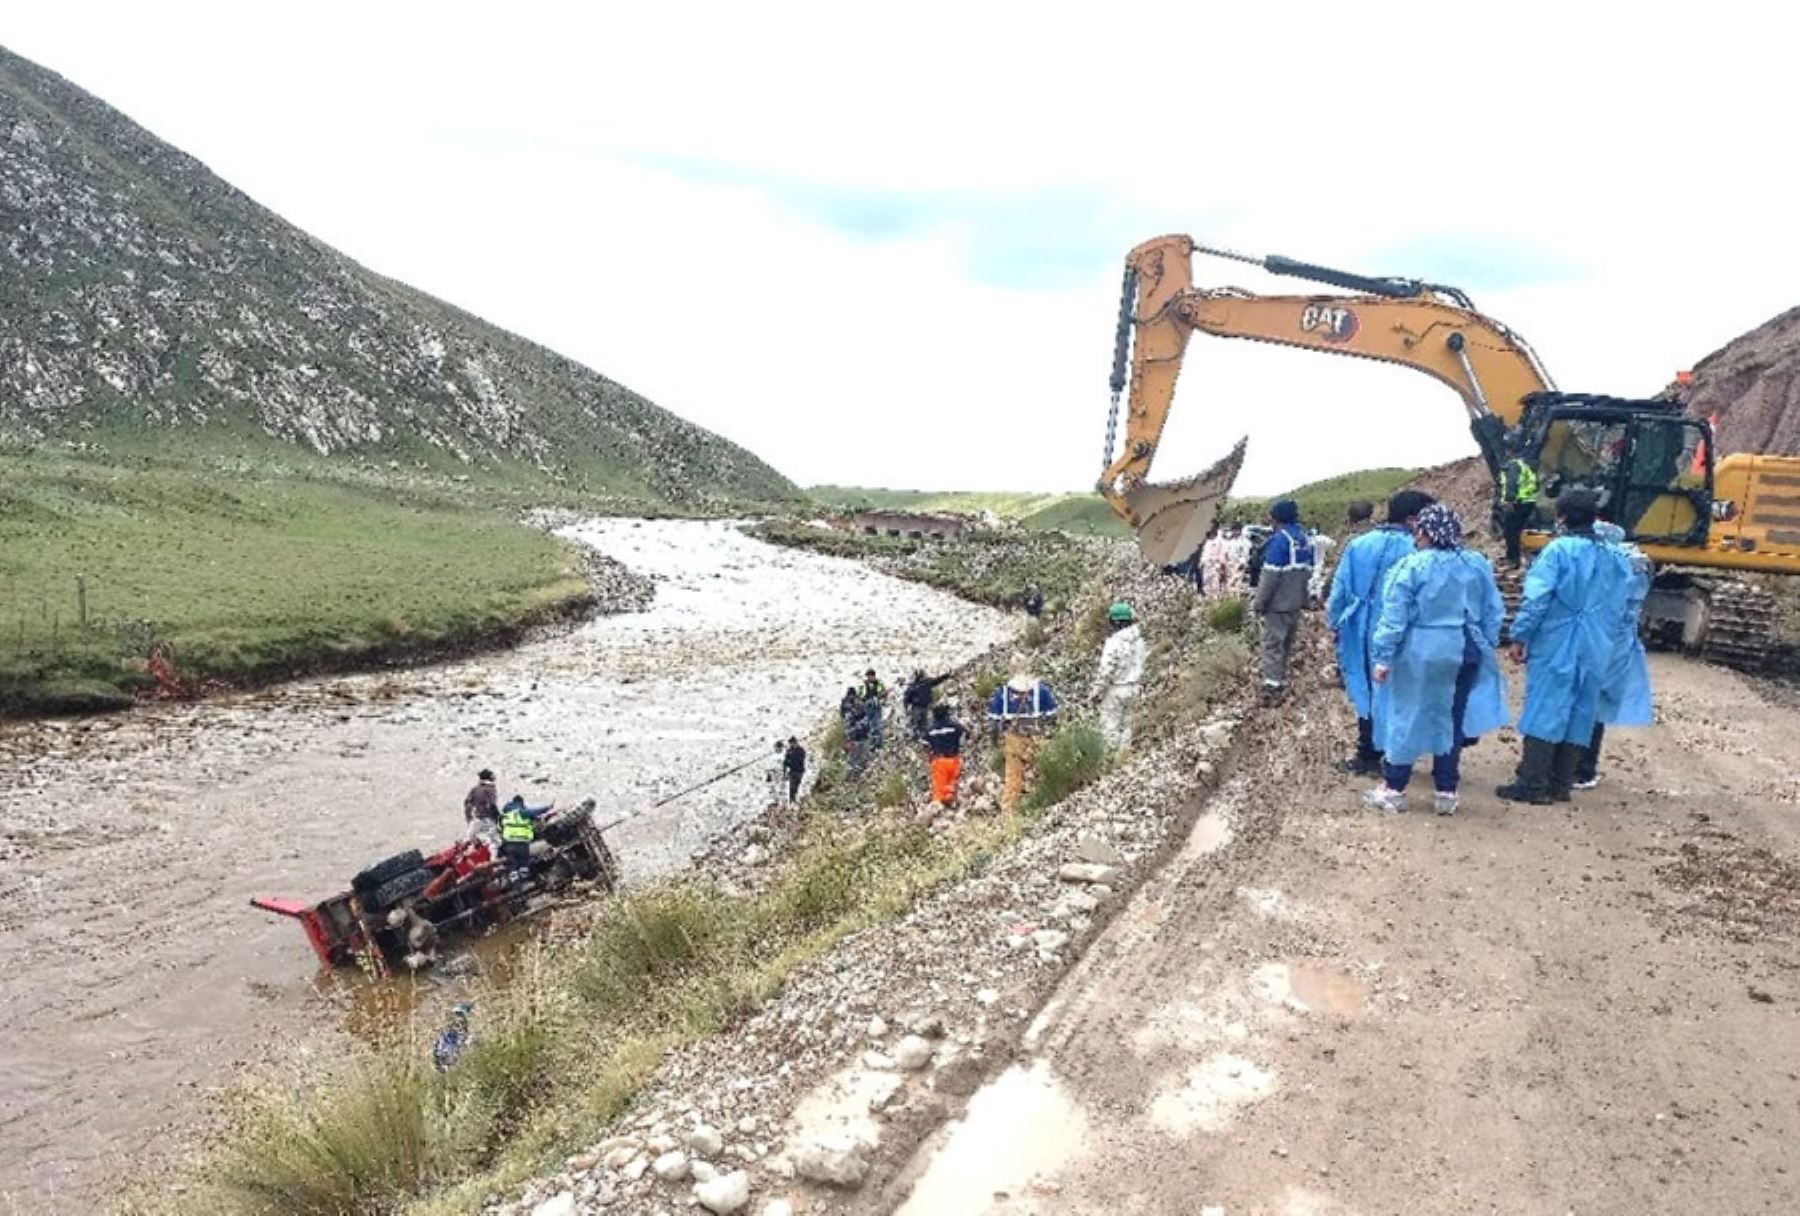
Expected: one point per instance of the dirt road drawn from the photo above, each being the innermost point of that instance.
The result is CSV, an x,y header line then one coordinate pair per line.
x,y
1317,1011
132,971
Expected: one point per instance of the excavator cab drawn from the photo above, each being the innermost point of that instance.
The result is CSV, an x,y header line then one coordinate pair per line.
x,y
1650,466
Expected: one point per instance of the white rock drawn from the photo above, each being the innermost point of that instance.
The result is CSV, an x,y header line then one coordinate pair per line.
x,y
725,1194
1099,852
912,1053
877,1027
663,1143
755,855
781,1207
747,1125
927,1023
556,1205
1212,1209
703,1171
1086,871
987,996
706,1141
620,1157
836,1163
671,1167
1079,903
877,1061
634,1169
1049,941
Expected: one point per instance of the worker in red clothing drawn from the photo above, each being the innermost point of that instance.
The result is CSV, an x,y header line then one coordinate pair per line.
x,y
944,741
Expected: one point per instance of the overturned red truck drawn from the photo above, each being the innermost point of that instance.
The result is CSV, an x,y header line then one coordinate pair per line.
x,y
399,911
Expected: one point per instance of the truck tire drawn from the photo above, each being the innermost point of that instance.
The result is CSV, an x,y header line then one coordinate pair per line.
x,y
394,890
566,826
381,872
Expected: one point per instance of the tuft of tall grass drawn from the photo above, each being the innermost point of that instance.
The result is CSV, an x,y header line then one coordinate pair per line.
x,y
1226,615
1074,756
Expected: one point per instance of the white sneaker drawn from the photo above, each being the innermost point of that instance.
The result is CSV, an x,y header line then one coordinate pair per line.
x,y
1388,802
1589,784
1444,804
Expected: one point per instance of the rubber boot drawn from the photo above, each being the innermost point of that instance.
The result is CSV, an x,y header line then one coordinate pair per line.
x,y
1537,768
1562,771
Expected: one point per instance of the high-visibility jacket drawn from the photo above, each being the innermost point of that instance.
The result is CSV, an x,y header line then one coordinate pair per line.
x,y
1524,482
515,828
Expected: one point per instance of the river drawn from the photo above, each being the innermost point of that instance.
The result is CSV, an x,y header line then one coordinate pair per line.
x,y
133,973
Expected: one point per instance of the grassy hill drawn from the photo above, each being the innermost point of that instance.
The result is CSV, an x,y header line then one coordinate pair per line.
x,y
1084,514
1322,503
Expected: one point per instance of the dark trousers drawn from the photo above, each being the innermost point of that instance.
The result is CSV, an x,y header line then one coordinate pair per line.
x,y
1446,769
1366,751
516,854
1548,768
1587,766
1514,517
794,784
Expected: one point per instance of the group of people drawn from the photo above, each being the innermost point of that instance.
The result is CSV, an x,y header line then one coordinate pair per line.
x,y
1229,561
507,830
1417,617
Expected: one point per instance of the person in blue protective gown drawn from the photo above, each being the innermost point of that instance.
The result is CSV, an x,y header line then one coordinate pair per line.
x,y
1625,693
1565,632
1433,654
1354,606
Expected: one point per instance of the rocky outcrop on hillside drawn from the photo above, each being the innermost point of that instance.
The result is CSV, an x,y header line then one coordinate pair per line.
x,y
141,291
1750,387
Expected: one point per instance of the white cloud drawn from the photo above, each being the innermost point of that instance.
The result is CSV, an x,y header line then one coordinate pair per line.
x,y
500,156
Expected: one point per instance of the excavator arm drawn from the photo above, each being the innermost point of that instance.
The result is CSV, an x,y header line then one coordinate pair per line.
x,y
1429,328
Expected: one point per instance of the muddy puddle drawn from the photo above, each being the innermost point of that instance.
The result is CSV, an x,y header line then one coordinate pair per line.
x,y
133,973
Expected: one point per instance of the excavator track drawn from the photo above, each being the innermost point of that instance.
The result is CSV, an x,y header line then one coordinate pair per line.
x,y
1739,628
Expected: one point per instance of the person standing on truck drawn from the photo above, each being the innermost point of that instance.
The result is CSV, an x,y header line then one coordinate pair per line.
x,y
1518,489
944,740
518,828
1281,589
481,802
793,763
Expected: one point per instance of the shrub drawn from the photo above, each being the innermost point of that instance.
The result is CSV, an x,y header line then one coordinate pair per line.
x,y
1034,635
1091,628
1074,756
648,936
892,791
1226,615
362,1148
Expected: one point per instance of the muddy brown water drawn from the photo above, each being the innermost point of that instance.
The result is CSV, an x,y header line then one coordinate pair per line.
x,y
133,973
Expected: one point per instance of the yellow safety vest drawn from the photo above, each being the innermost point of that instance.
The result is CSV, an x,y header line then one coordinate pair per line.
x,y
1527,484
516,829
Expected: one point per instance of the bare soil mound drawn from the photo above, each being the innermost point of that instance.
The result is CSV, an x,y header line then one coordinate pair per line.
x,y
1750,387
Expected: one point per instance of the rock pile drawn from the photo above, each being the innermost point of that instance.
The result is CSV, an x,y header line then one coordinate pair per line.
x,y
1751,388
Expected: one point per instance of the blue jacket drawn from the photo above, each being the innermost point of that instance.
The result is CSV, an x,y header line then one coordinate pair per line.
x,y
1568,619
1440,609
1006,704
1354,606
1625,693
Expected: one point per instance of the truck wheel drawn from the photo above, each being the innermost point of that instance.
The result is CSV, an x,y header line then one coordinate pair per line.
x,y
394,890
381,872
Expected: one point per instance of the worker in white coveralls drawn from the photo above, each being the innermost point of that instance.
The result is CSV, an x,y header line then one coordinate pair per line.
x,y
1121,671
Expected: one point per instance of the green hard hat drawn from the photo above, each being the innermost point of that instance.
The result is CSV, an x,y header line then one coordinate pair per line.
x,y
1120,611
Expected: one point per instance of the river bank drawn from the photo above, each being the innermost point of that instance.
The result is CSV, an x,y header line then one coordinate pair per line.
x,y
132,975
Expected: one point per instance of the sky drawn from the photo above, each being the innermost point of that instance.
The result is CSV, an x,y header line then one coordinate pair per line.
x,y
881,245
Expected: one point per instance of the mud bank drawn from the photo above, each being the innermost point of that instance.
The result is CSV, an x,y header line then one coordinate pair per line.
x,y
132,972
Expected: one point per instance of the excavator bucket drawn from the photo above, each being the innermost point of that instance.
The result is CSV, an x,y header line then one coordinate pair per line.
x,y
1173,518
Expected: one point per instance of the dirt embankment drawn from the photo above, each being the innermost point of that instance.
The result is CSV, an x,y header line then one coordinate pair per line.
x,y
1584,1008
1750,387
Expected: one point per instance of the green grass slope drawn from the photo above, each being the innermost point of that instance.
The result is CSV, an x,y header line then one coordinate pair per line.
x,y
247,579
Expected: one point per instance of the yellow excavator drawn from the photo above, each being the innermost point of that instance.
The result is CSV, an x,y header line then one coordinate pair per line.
x,y
1698,515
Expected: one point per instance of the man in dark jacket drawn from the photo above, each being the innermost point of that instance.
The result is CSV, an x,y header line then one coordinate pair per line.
x,y
874,695
1281,591
944,740
481,802
793,763
917,699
